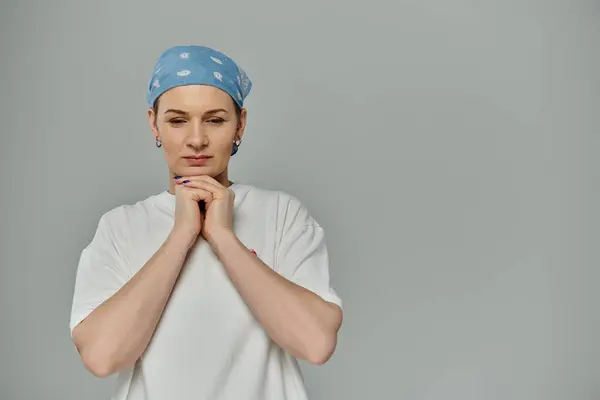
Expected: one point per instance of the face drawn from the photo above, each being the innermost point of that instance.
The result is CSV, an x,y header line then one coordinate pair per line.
x,y
197,125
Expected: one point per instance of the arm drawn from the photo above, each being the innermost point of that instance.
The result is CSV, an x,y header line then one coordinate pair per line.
x,y
289,300
297,319
117,332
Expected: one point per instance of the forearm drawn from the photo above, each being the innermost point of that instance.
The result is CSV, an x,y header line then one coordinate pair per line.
x,y
116,333
296,319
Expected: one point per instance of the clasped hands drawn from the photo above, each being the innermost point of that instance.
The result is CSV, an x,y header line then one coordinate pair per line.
x,y
217,218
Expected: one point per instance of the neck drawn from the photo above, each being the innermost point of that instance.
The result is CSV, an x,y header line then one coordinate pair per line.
x,y
222,178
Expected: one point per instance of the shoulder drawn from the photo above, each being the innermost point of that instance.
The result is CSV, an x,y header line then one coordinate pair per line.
x,y
120,218
295,212
290,209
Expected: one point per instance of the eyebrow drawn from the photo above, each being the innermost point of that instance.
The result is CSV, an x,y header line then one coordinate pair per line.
x,y
180,112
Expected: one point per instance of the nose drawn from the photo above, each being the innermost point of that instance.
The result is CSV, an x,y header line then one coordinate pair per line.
x,y
197,138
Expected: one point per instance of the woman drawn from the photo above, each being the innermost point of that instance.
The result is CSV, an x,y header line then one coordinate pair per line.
x,y
210,289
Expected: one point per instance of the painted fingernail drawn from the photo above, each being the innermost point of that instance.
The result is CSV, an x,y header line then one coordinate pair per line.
x,y
186,181
177,177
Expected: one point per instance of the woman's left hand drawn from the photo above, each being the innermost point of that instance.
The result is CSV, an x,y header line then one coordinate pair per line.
x,y
219,211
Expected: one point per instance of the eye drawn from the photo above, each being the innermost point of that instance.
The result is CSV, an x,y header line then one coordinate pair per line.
x,y
177,121
216,121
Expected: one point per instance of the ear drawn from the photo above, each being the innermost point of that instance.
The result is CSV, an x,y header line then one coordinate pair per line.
x,y
152,123
242,124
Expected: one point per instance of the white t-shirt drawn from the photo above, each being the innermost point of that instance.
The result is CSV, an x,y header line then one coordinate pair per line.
x,y
207,345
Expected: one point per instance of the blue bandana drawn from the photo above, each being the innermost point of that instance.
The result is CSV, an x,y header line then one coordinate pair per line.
x,y
197,65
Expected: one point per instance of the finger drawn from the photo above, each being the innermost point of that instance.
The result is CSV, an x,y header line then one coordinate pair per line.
x,y
210,179
202,194
217,190
206,178
199,194
210,182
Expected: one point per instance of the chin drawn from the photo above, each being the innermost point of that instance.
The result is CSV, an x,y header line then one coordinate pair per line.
x,y
192,171
196,170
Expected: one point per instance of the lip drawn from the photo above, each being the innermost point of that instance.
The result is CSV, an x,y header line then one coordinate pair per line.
x,y
197,160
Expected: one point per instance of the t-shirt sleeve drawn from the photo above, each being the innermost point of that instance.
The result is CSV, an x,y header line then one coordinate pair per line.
x,y
101,272
302,255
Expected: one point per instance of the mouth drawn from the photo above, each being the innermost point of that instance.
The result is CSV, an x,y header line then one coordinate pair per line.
x,y
197,160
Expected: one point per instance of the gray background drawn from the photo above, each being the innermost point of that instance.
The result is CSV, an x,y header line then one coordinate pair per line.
x,y
449,148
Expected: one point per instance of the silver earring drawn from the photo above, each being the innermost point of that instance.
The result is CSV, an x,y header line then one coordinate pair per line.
x,y
158,142
235,147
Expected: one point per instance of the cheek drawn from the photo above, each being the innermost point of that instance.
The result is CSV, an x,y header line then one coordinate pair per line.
x,y
174,136
172,144
222,142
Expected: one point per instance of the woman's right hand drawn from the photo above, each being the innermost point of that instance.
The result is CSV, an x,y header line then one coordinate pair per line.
x,y
188,217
